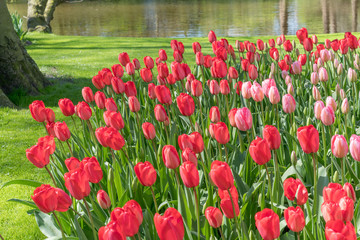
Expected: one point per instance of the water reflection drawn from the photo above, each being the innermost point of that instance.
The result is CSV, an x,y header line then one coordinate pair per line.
x,y
185,18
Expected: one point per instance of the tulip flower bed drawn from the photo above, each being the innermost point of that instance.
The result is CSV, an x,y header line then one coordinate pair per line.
x,y
255,141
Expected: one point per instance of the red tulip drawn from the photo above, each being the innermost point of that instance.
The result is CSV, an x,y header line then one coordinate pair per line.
x,y
62,131
194,141
38,155
163,70
196,88
212,36
149,130
331,211
221,175
160,113
302,34
146,173
97,81
117,70
151,91
214,87
134,207
185,104
337,230
214,216
214,114
87,94
117,85
272,137
100,99
231,117
112,231
224,87
170,225
146,74
37,110
77,182
221,132
163,94
127,220
49,115
110,137
267,223
48,143
333,192
83,111
162,55
257,92
130,89
218,69
134,104
72,163
189,155
106,76
189,174
253,73
294,218
347,208
113,119
227,208
67,107
288,46
224,194
308,137
170,157
110,105
103,199
274,53
50,129
259,151
177,71
200,60
92,169
274,95
308,45
49,199
124,58
293,187
149,62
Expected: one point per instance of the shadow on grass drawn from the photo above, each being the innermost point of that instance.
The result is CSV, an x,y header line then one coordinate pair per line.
x,y
61,87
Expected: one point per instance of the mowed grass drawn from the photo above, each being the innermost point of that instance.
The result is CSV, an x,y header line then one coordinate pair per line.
x,y
69,62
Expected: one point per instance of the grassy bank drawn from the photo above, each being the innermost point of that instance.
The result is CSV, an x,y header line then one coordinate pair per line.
x,y
69,62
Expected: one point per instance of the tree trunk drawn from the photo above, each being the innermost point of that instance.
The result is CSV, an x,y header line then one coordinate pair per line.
x,y
40,13
17,69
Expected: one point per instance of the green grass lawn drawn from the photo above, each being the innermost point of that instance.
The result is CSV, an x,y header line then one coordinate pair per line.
x,y
69,62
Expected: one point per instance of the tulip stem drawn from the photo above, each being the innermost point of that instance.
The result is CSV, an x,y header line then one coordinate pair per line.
x,y
342,171
270,192
52,177
262,114
197,213
91,219
220,151
315,185
62,230
298,236
201,116
67,142
324,145
74,122
191,124
226,154
81,216
235,217
153,195
167,134
91,130
221,233
177,178
1,237
46,131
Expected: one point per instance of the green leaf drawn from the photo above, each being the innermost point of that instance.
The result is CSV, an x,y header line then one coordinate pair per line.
x,y
27,203
78,229
25,182
47,225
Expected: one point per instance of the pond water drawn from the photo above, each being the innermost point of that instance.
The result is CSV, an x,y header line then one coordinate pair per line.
x,y
186,18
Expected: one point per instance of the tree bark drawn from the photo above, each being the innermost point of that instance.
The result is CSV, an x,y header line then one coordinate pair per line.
x,y
40,13
17,69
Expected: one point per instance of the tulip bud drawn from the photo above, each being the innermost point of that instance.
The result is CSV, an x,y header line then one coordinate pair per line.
x,y
274,95
336,177
318,107
327,116
339,146
290,89
316,93
288,103
337,89
330,101
323,75
288,80
314,78
345,106
351,75
340,69
103,199
293,158
214,114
